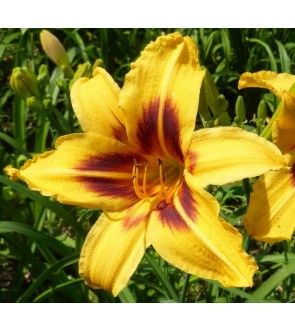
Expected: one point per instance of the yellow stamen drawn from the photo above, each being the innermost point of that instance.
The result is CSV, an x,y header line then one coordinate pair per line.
x,y
144,178
162,179
145,191
135,180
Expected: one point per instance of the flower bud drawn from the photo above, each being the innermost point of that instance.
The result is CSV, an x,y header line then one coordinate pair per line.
x,y
222,102
43,75
62,84
240,109
84,70
34,104
24,83
97,63
55,51
47,103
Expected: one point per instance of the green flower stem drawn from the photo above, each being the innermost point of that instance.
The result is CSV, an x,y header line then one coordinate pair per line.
x,y
266,132
185,288
19,121
41,133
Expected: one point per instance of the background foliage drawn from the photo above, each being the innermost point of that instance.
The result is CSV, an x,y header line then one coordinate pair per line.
x,y
40,239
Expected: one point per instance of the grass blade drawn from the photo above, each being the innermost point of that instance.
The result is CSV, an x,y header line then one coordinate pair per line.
x,y
55,289
44,201
273,281
70,260
272,60
11,226
161,276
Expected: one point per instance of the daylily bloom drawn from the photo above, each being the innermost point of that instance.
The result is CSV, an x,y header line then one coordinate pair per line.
x,y
270,216
141,162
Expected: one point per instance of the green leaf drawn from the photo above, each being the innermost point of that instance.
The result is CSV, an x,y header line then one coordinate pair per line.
x,y
55,289
274,281
126,296
272,60
44,201
72,259
11,227
12,142
285,60
162,276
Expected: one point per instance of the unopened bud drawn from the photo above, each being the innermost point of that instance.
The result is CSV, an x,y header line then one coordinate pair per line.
x,y
84,70
43,75
240,109
222,102
62,84
24,83
55,51
34,104
47,103
97,63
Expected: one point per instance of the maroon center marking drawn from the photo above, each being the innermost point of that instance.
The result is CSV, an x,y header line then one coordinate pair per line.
x,y
148,130
192,159
169,214
111,187
188,202
172,130
134,220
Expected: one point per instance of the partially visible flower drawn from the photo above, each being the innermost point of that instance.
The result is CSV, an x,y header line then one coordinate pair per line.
x,y
56,52
142,163
24,83
270,216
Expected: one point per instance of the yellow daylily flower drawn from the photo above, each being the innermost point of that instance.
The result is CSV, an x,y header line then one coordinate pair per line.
x,y
270,216
140,161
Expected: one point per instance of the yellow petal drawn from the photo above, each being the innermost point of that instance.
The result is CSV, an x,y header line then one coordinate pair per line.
x,y
86,169
113,250
160,97
189,235
283,130
226,154
95,102
276,83
270,216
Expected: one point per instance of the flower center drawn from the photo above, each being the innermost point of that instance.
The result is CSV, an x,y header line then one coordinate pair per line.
x,y
156,180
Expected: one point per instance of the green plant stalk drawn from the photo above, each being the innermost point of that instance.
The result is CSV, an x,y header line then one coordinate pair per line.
x,y
55,289
44,201
39,237
162,277
72,259
266,132
41,133
13,143
126,296
185,288
272,60
273,281
19,121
